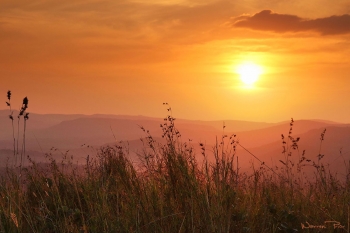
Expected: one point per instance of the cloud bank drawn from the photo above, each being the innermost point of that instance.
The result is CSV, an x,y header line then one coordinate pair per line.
x,y
267,20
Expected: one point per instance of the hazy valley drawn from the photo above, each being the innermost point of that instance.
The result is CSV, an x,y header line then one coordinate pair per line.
x,y
83,135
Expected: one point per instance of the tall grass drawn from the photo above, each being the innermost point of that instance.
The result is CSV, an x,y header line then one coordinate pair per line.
x,y
171,189
22,114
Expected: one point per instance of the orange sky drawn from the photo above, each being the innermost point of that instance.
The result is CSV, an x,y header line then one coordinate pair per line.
x,y
130,56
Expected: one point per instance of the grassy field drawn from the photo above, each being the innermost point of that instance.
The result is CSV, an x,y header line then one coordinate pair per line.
x,y
173,188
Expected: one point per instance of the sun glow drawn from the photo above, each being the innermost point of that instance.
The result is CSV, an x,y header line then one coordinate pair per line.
x,y
249,73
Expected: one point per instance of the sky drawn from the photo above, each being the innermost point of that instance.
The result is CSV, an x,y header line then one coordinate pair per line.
x,y
130,56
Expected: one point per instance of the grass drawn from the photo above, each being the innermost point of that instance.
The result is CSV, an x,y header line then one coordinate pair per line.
x,y
171,190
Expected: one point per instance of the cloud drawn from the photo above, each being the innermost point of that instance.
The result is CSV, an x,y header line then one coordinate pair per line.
x,y
123,32
267,20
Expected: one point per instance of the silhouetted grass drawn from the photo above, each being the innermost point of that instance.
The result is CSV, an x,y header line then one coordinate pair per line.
x,y
170,190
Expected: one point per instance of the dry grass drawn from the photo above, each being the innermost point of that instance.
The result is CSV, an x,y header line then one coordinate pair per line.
x,y
171,191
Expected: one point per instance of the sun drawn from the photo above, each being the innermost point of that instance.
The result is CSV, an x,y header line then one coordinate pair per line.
x,y
249,73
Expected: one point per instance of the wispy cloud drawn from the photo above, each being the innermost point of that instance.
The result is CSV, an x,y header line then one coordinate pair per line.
x,y
124,32
267,20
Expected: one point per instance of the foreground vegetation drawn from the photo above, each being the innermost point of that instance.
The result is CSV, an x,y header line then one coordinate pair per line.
x,y
173,189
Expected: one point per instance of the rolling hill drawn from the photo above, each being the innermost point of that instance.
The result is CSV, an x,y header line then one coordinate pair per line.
x,y
74,132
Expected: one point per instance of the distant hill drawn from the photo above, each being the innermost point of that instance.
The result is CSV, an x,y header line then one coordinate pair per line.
x,y
335,147
69,131
75,132
255,138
